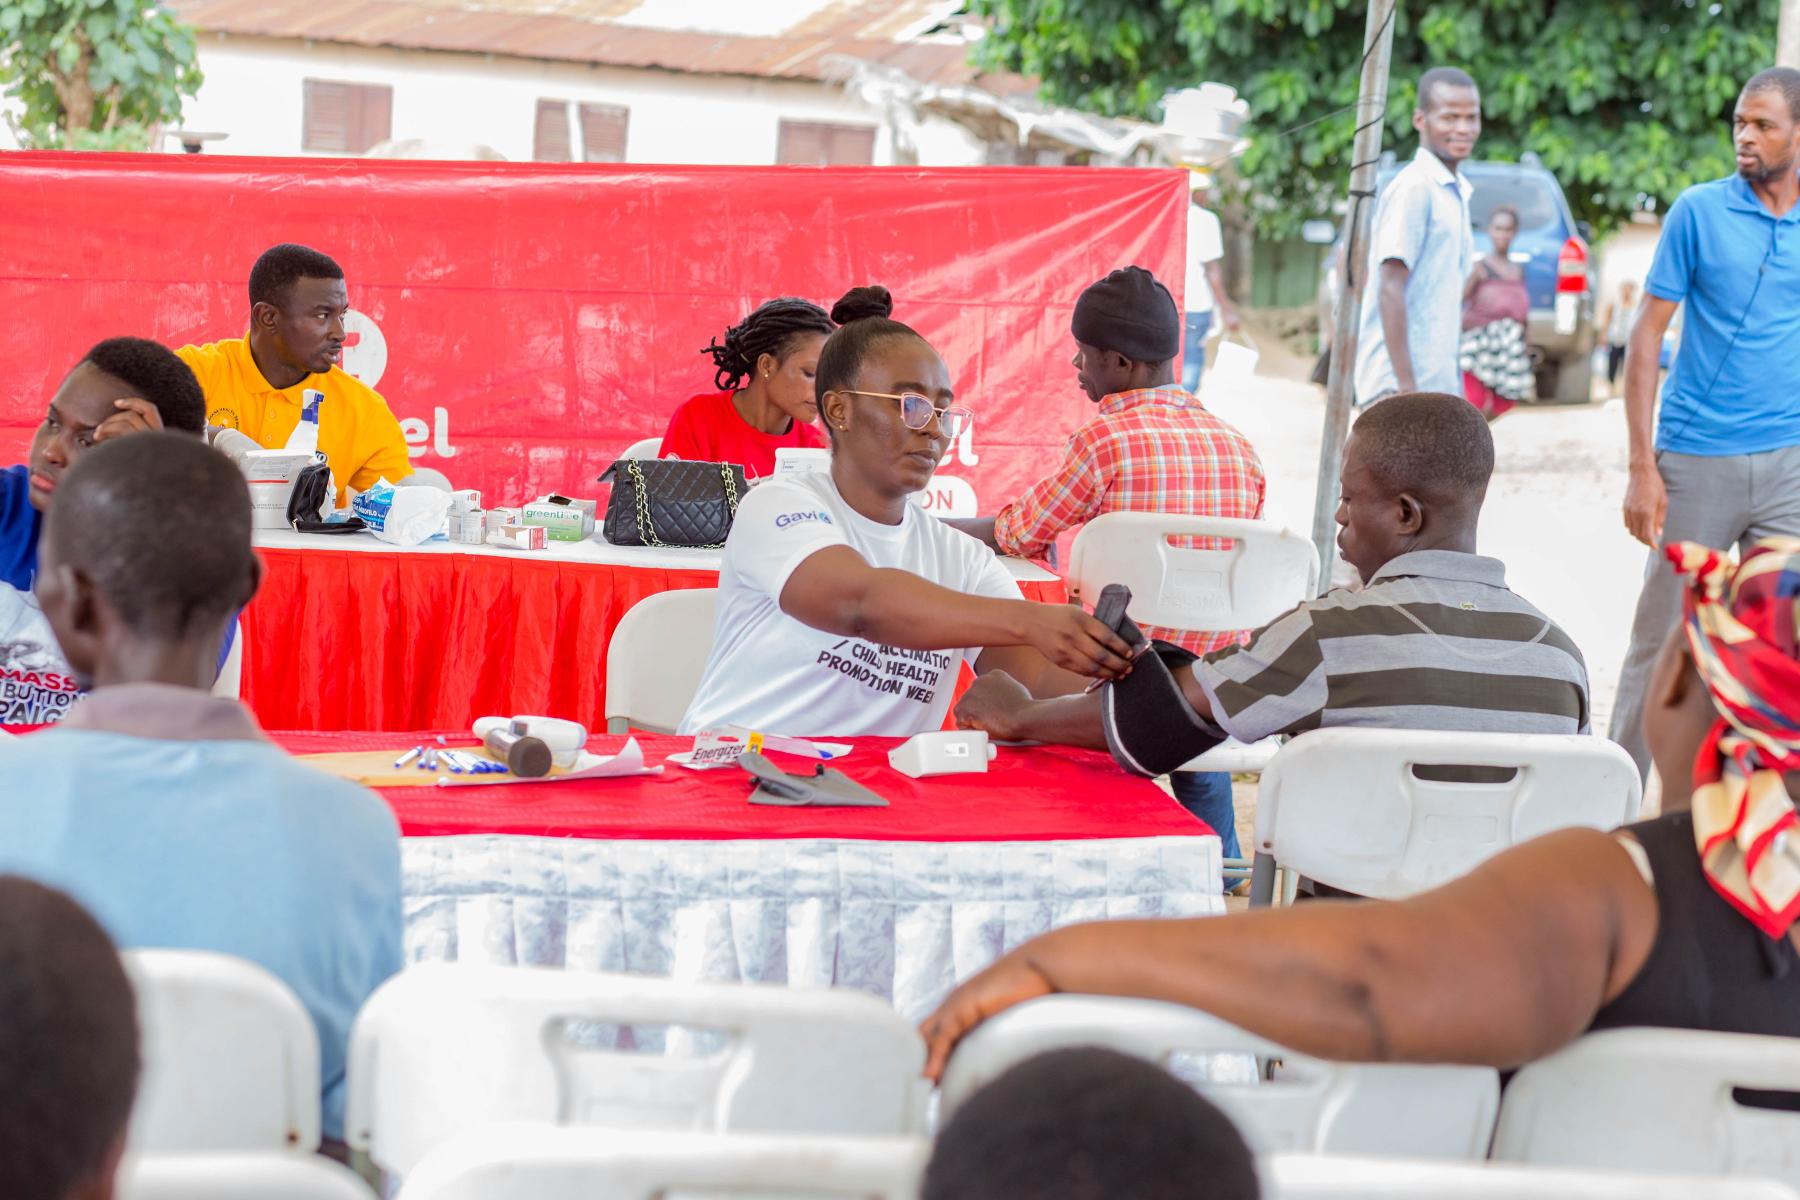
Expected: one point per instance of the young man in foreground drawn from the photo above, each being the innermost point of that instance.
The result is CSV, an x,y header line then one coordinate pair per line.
x,y
161,807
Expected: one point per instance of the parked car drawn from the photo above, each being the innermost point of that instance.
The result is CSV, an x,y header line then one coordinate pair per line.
x,y
1559,272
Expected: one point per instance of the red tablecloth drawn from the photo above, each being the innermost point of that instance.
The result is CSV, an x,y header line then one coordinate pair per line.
x,y
361,640
1040,793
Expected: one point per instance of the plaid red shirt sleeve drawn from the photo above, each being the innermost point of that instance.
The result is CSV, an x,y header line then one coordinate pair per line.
x,y
1070,497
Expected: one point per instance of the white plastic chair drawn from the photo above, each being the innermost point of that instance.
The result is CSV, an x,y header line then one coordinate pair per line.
x,y
1333,1177
230,683
506,1162
643,448
1310,1105
441,1048
231,1058
656,658
264,1176
1264,571
428,477
1345,806
1656,1100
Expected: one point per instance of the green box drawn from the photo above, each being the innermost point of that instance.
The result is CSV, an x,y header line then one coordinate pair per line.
x,y
571,522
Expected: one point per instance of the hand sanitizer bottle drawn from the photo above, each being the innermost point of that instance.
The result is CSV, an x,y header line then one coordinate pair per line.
x,y
306,434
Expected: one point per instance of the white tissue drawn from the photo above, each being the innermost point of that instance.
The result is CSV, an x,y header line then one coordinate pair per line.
x,y
403,516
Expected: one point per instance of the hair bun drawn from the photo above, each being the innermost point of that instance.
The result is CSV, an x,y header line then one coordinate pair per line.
x,y
862,302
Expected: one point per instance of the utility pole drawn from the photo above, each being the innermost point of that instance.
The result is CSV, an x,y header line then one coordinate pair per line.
x,y
1787,35
1371,109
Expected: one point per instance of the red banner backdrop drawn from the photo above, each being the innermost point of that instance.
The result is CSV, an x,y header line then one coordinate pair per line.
x,y
528,321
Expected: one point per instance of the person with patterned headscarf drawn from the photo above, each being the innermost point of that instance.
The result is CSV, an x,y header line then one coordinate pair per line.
x,y
1684,921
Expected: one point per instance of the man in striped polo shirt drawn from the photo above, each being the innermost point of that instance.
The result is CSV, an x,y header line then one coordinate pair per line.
x,y
1434,640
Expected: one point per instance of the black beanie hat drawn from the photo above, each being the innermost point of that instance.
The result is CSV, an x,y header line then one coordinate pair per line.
x,y
1129,313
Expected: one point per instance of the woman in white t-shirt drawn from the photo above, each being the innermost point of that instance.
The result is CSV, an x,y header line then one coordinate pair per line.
x,y
844,609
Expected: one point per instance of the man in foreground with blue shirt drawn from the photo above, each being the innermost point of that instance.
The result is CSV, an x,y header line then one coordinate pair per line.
x,y
1723,468
162,808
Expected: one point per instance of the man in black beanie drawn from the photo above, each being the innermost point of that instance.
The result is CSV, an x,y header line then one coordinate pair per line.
x,y
1152,447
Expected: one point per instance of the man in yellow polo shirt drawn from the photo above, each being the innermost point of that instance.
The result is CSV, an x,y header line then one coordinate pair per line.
x,y
255,383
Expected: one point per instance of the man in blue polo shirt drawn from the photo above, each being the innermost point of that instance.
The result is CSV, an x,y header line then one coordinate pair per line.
x,y
1724,466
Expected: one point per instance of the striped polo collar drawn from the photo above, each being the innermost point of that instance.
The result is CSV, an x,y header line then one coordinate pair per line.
x,y
1452,565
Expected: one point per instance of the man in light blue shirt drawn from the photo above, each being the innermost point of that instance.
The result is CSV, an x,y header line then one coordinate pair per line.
x,y
160,807
1723,468
1421,250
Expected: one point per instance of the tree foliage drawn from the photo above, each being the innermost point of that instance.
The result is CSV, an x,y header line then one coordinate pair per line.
x,y
94,74
1626,101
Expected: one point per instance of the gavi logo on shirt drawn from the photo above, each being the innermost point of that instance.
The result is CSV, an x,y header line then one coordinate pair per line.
x,y
801,518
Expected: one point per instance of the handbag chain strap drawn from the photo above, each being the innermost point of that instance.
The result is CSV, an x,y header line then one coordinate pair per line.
x,y
647,531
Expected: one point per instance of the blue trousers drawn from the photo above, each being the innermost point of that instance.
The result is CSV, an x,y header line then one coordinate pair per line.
x,y
1193,349
1207,794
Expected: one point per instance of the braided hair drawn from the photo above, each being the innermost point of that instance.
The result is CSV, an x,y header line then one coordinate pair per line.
x,y
772,329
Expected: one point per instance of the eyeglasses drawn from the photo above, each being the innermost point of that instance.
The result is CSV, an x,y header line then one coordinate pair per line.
x,y
916,412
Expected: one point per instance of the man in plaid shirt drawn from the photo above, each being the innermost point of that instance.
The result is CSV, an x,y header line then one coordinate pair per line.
x,y
1151,448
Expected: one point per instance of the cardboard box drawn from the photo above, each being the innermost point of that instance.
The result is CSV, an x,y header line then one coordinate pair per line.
x,y
564,520
519,537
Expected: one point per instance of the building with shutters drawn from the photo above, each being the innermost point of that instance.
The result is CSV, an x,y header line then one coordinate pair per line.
x,y
690,81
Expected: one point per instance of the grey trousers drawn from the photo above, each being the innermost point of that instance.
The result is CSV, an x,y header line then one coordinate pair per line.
x,y
1720,502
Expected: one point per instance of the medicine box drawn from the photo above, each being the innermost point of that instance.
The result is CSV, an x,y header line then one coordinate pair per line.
x,y
563,520
519,537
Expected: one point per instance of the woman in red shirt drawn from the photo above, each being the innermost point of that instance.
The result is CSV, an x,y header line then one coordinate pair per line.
x,y
765,372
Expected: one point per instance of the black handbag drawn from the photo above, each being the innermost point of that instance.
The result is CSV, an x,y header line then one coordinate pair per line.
x,y
670,502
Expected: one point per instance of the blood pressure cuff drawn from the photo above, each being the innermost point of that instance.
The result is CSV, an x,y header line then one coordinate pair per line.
x,y
1151,729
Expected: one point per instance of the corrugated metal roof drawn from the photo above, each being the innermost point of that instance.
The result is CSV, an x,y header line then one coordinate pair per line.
x,y
586,31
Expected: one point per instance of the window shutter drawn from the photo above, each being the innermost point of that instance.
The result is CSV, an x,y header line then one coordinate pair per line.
x,y
375,116
852,145
326,123
603,128
345,118
821,143
550,139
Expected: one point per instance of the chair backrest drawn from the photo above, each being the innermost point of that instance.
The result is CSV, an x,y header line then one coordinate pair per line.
x,y
429,477
1656,1100
643,448
269,1175
656,658
506,1162
1263,571
231,1058
1333,1177
1347,807
531,1044
1310,1105
230,682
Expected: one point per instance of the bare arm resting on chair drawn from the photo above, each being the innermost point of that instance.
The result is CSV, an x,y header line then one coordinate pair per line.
x,y
1497,968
